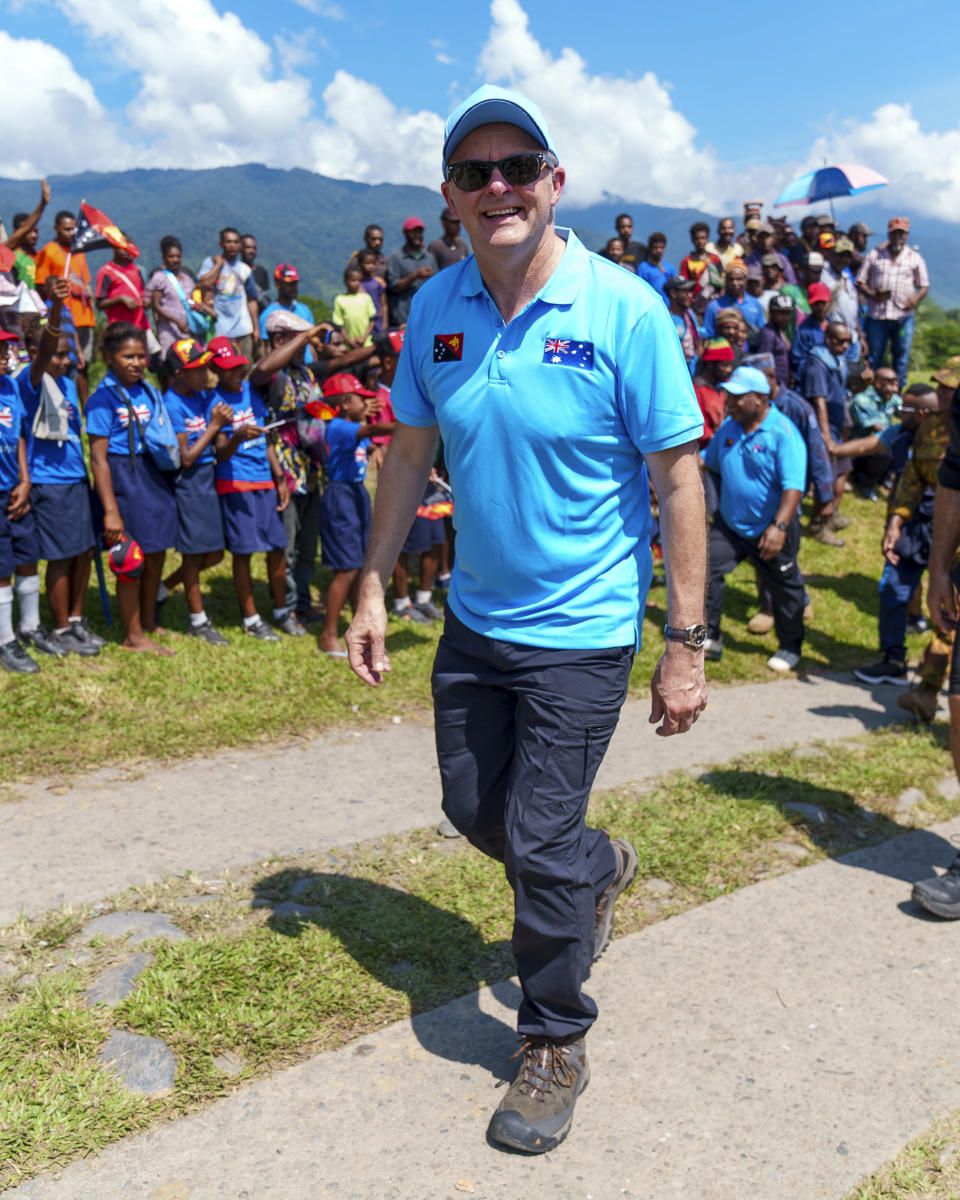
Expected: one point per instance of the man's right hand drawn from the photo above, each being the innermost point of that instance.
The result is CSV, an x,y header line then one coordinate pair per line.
x,y
942,600
891,536
366,641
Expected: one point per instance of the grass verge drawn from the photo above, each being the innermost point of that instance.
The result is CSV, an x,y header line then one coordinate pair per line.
x,y
121,707
394,927
928,1168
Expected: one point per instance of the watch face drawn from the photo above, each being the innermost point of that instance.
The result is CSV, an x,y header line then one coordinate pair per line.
x,y
696,635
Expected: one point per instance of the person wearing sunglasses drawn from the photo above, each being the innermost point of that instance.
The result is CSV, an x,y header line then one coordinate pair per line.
x,y
556,380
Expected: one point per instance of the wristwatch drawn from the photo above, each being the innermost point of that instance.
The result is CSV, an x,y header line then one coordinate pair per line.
x,y
780,525
691,635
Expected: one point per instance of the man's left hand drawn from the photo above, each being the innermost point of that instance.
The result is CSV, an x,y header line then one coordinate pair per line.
x,y
678,690
771,542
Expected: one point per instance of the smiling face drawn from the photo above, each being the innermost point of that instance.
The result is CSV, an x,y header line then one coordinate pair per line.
x,y
745,409
501,217
885,383
128,362
726,230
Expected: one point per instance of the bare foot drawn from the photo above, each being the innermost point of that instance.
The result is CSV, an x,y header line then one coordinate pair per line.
x,y
158,630
330,644
145,645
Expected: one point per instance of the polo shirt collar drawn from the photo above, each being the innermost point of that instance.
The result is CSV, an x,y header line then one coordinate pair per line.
x,y
562,287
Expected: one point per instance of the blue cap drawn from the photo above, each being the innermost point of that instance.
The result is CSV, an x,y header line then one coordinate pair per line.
x,y
488,105
747,379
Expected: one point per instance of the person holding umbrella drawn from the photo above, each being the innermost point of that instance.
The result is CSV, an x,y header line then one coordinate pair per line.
x,y
892,280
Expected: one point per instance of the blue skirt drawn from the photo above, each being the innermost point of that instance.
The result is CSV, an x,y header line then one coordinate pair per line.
x,y
344,525
64,518
18,539
145,498
251,522
199,523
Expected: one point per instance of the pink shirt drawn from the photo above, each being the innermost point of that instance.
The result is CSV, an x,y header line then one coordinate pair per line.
x,y
901,276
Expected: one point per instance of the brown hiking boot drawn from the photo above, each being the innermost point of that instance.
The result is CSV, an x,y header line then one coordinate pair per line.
x,y
921,701
837,521
627,861
537,1111
821,532
760,622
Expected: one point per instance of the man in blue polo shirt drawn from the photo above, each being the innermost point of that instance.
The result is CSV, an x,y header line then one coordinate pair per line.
x,y
762,463
553,379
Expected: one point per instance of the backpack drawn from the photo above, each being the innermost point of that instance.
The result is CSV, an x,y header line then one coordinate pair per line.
x,y
51,422
197,322
158,438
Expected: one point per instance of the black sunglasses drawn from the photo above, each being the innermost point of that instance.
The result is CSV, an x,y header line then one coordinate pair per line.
x,y
517,169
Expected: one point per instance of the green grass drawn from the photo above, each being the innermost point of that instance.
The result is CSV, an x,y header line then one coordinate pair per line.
x,y
397,926
927,1167
123,708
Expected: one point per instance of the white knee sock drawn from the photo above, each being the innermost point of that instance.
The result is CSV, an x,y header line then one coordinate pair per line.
x,y
6,615
28,598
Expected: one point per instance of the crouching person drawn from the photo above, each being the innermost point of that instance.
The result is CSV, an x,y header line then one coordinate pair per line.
x,y
762,463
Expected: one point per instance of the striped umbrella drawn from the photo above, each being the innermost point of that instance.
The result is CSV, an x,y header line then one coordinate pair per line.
x,y
843,179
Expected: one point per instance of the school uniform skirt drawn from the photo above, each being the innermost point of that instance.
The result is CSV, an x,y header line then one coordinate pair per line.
x,y
146,501
251,523
344,524
64,518
18,539
199,522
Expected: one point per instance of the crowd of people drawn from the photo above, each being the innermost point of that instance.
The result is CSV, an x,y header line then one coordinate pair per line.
x,y
275,417
815,327
227,420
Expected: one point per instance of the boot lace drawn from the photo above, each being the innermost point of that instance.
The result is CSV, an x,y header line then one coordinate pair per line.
x,y
544,1064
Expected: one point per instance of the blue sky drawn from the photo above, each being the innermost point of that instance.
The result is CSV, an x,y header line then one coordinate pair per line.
x,y
657,102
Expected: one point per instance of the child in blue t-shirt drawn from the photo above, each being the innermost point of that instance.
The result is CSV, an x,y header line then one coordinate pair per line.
x,y
345,503
17,536
137,497
200,539
253,492
59,494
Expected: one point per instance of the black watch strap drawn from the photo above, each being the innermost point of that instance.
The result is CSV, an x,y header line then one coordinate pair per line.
x,y
690,635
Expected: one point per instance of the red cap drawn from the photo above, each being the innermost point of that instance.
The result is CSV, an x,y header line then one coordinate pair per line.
x,y
225,355
344,383
8,337
126,558
411,223
718,350
285,273
818,291
395,338
894,223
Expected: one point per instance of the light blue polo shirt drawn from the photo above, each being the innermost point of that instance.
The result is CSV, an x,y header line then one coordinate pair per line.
x,y
756,469
545,422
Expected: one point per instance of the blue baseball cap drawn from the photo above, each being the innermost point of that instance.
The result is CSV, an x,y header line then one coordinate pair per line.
x,y
488,105
747,379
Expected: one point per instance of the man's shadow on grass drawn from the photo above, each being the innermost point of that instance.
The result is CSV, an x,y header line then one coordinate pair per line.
x,y
836,823
436,957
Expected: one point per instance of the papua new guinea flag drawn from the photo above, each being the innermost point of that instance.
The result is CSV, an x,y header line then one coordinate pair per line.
x,y
95,231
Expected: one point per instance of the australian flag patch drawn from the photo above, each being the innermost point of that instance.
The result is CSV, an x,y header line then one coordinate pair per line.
x,y
447,347
568,352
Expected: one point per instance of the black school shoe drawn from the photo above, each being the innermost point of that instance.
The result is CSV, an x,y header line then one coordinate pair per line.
x,y
208,634
87,634
44,642
537,1111
14,658
941,894
77,642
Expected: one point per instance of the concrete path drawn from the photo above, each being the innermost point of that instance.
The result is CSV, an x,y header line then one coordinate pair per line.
x,y
780,1042
240,806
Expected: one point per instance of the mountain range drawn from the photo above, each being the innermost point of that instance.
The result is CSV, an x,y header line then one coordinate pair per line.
x,y
316,222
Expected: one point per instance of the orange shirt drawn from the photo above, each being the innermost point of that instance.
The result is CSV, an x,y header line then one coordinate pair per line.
x,y
50,261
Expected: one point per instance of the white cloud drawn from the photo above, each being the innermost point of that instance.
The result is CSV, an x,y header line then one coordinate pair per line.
x,y
440,48
48,105
614,135
923,166
333,12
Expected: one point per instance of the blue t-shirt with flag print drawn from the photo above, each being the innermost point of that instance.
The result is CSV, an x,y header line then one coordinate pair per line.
x,y
52,461
248,466
188,414
347,458
108,415
12,428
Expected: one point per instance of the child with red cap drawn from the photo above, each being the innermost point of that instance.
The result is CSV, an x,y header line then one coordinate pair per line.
x,y
253,492
345,504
